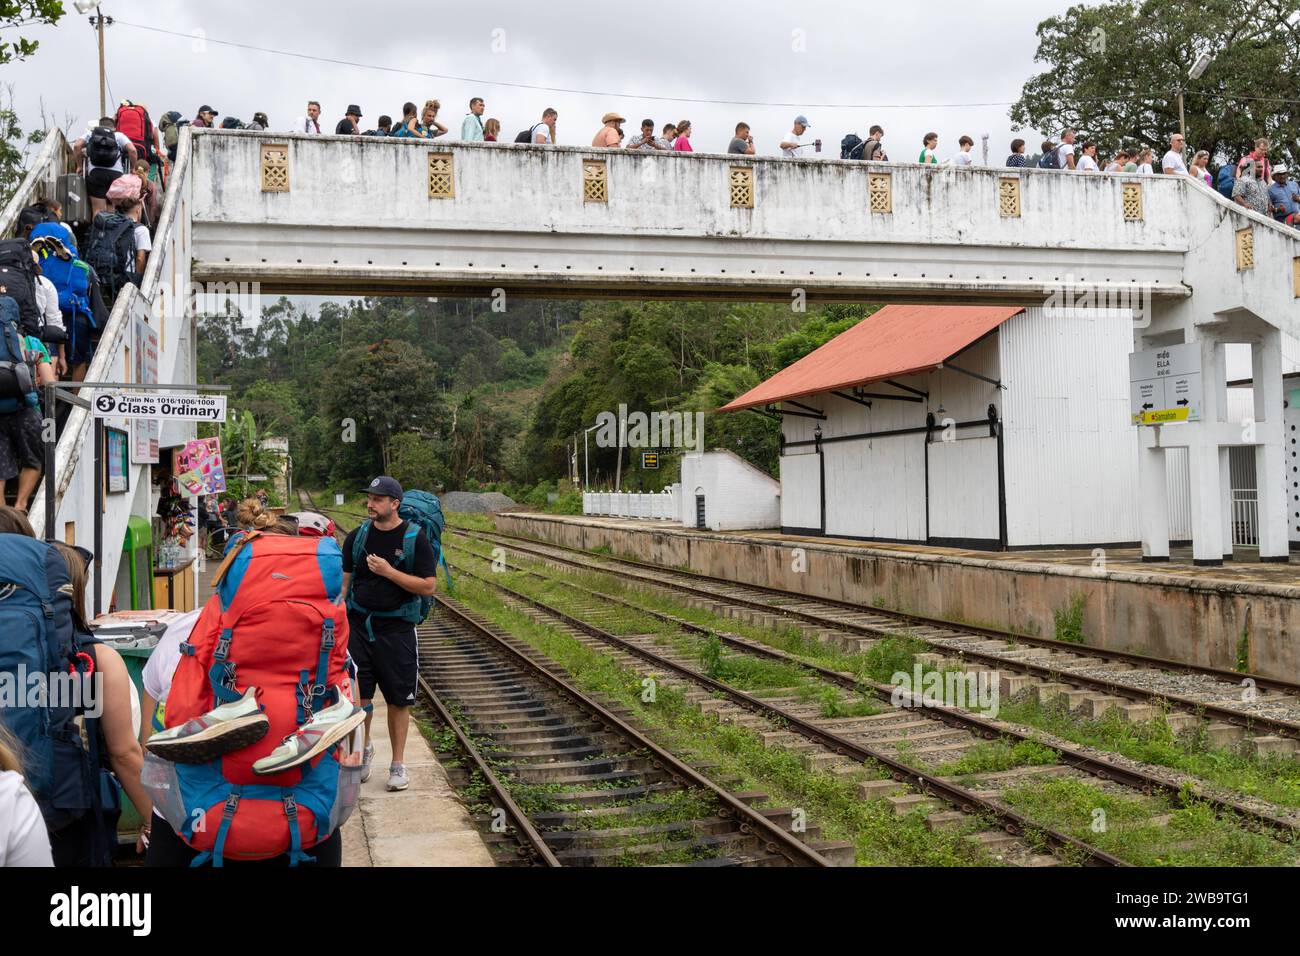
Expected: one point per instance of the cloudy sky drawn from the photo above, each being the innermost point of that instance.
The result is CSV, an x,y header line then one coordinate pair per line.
x,y
909,66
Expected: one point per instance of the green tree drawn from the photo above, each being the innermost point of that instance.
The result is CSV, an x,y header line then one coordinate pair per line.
x,y
15,145
386,389
1114,71
17,14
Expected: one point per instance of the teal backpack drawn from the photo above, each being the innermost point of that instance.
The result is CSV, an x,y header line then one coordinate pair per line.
x,y
422,512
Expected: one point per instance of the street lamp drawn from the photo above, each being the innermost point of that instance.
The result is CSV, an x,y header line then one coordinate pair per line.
x,y
1198,68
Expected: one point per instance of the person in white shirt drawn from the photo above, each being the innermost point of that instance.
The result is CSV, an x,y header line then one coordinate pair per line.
x,y
1144,164
100,175
963,156
311,122
1088,159
543,134
23,838
1065,152
47,297
132,208
471,127
1173,160
794,140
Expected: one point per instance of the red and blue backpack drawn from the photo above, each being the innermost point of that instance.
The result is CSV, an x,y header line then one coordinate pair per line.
x,y
277,622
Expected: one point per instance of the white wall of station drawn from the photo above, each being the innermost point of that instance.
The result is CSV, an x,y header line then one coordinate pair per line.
x,y
736,494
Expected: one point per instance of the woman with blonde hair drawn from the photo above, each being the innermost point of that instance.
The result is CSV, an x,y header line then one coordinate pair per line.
x,y
492,131
429,120
23,840
252,515
1199,169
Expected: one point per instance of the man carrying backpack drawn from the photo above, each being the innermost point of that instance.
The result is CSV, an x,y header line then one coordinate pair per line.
x,y
389,573
103,149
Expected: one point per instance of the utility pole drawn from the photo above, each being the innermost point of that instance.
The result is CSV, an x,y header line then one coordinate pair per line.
x,y
98,21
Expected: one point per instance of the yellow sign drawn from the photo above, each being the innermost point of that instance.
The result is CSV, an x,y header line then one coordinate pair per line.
x,y
1161,417
650,460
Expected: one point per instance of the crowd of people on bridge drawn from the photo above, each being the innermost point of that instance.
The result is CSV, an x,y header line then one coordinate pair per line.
x,y
1250,182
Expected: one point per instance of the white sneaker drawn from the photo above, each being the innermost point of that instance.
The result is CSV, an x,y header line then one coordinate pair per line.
x,y
325,728
221,730
367,762
397,777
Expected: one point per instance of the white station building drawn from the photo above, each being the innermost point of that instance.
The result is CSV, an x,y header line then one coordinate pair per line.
x,y
988,428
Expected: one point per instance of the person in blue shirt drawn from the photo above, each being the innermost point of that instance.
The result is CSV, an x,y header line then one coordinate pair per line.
x,y
1284,197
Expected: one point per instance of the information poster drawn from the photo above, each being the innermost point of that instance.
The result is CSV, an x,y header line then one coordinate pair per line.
x,y
198,467
144,359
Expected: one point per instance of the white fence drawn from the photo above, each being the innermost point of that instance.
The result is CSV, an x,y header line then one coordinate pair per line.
x,y
623,504
1245,517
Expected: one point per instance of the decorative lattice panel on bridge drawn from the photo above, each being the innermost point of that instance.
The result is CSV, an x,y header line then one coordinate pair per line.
x,y
880,192
275,168
595,181
442,176
1009,197
1295,276
1245,249
742,187
1131,200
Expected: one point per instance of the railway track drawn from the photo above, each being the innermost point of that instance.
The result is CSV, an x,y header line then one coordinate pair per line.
x,y
1230,708
936,733
561,779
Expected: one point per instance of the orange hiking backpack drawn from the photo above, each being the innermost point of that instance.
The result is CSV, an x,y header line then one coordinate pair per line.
x,y
276,622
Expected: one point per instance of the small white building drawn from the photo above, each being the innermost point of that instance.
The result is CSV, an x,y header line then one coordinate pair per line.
x,y
720,491
988,428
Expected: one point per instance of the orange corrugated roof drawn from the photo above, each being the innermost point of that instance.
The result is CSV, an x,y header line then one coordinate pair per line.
x,y
897,340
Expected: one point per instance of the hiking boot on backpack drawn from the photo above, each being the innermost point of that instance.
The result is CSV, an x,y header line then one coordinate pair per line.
x,y
325,728
219,731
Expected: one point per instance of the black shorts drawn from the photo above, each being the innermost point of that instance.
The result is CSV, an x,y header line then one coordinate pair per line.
x,y
98,180
20,442
391,661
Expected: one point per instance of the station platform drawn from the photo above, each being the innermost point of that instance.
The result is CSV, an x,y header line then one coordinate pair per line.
x,y
423,825
1244,611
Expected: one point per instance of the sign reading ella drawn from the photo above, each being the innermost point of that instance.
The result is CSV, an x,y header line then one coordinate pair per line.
x,y
1165,384
123,404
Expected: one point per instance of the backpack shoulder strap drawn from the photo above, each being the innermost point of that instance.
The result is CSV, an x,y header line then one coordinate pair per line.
x,y
408,546
359,544
241,540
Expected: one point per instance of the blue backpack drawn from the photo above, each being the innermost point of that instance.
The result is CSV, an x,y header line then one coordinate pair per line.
x,y
1226,180
422,512
17,381
71,277
38,643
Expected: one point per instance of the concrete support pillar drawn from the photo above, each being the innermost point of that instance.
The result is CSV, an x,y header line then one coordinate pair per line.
x,y
1270,459
1206,464
1207,502
1225,493
1153,494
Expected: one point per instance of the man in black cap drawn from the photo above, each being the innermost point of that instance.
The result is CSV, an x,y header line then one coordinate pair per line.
x,y
350,124
206,116
384,577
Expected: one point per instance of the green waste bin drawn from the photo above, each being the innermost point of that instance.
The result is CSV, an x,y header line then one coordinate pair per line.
x,y
137,555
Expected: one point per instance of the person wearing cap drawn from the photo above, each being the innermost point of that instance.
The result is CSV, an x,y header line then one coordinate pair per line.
x,y
311,122
206,117
794,140
471,127
350,124
611,133
378,579
1284,196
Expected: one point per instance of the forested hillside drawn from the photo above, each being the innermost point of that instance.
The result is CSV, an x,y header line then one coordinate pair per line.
x,y
449,393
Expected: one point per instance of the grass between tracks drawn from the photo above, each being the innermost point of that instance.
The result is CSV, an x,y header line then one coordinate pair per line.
x,y
1274,779
734,752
